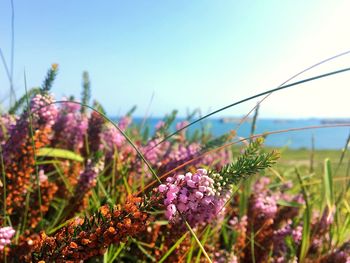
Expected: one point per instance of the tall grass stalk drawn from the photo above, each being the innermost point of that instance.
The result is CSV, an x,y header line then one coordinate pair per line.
x,y
197,240
173,247
305,241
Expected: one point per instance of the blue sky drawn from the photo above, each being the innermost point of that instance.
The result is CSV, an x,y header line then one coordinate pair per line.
x,y
189,54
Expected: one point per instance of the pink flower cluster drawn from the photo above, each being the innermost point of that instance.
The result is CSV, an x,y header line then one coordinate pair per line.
x,y
44,112
44,116
111,138
199,197
155,155
6,233
124,122
181,153
263,203
70,127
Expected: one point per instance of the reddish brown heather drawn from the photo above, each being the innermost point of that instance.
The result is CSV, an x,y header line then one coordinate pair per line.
x,y
161,238
340,255
71,171
20,178
84,238
47,190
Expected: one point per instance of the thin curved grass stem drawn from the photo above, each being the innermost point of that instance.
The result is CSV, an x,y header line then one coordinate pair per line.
x,y
288,80
250,98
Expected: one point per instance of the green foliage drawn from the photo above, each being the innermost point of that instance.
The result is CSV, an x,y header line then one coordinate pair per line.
x,y
252,161
131,111
217,142
86,92
19,103
172,248
98,106
328,185
49,79
199,243
168,120
306,234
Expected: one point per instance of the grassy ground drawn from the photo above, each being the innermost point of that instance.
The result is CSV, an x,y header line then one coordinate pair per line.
x,y
305,159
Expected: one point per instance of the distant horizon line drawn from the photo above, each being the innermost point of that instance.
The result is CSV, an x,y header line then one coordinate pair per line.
x,y
241,117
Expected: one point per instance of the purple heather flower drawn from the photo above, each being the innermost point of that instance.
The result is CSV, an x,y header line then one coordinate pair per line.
x,y
261,185
181,124
181,153
297,234
263,203
182,134
196,196
44,116
341,256
124,122
280,248
43,111
6,233
160,125
87,178
111,139
265,206
70,127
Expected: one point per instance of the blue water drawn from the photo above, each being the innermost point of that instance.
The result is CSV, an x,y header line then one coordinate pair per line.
x,y
326,138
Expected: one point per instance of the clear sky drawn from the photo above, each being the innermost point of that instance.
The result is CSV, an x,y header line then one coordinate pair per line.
x,y
189,54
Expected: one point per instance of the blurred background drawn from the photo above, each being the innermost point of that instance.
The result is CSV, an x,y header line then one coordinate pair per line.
x,y
186,55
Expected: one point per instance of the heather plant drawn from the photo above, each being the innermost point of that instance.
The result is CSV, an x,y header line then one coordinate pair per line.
x,y
78,187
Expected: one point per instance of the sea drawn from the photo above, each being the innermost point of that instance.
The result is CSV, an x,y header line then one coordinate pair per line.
x,y
325,138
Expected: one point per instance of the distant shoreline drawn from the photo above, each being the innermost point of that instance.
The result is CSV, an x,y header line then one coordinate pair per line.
x,y
342,119
326,138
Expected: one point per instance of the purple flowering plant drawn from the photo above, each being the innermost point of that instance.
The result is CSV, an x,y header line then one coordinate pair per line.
x,y
79,187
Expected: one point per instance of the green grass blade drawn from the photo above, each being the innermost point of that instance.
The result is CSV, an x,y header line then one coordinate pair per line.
x,y
252,245
144,251
190,253
282,202
204,240
178,242
305,240
116,254
328,185
59,153
197,240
